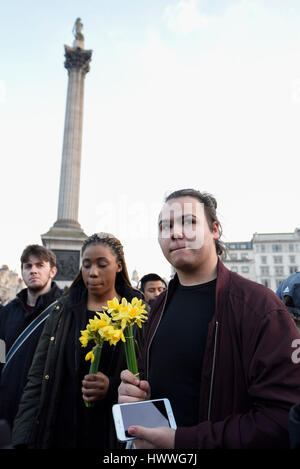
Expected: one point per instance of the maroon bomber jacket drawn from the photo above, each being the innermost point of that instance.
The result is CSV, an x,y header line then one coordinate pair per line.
x,y
249,380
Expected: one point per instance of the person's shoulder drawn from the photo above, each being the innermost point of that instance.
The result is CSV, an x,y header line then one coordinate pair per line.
x,y
137,293
253,295
50,296
130,292
56,290
13,304
158,302
245,283
10,311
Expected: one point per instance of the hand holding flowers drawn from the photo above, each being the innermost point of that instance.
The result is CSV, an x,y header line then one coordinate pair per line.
x,y
94,387
113,326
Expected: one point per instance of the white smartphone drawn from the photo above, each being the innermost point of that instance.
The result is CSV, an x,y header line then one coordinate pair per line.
x,y
152,413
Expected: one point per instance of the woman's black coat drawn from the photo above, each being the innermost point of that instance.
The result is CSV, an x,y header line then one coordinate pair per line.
x,y
40,411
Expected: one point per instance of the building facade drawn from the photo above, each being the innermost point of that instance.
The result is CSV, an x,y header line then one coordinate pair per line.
x,y
276,256
240,259
10,284
268,258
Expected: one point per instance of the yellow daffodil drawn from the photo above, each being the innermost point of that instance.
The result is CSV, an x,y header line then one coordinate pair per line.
x,y
105,332
130,313
111,334
138,303
90,356
113,304
94,324
84,338
104,320
115,336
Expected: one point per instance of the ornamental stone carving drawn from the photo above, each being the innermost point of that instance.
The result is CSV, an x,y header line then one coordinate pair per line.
x,y
77,59
67,263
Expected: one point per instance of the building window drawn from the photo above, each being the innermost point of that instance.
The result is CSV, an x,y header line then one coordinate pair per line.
x,y
276,247
279,271
244,256
264,270
277,259
245,269
278,282
292,259
262,248
234,268
233,256
291,247
265,282
293,269
263,259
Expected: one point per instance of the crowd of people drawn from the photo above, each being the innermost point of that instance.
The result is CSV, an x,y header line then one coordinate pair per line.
x,y
221,348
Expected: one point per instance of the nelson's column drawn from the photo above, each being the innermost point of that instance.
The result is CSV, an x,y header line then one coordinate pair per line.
x,y
66,236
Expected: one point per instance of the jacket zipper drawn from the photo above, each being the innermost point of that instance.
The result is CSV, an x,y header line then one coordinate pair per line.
x,y
212,372
162,311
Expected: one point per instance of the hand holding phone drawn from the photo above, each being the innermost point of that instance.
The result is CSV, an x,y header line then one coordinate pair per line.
x,y
152,438
151,414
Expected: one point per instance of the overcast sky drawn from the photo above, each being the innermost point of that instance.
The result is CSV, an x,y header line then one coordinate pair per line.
x,y
191,93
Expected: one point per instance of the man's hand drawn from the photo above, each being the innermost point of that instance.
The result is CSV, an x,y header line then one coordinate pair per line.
x,y
152,438
95,387
131,389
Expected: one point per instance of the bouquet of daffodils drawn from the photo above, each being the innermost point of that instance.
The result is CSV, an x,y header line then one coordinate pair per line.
x,y
114,325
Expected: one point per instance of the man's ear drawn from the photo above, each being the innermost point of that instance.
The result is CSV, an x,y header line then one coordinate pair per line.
x,y
53,271
216,230
120,268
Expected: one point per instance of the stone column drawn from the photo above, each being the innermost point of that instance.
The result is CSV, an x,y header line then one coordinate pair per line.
x,y
77,64
65,237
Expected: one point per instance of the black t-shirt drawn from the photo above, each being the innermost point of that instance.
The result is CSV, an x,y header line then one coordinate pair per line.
x,y
177,350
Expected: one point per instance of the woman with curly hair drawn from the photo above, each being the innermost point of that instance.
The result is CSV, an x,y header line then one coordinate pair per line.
x,y
52,413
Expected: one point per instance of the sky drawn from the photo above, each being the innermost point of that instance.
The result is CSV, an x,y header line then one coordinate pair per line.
x,y
201,94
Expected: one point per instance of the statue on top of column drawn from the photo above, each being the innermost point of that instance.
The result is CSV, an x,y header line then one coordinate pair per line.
x,y
79,37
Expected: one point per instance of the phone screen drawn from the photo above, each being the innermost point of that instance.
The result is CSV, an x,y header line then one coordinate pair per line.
x,y
148,414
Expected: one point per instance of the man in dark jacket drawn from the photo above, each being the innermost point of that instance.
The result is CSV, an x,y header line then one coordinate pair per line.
x,y
38,266
289,292
151,285
217,345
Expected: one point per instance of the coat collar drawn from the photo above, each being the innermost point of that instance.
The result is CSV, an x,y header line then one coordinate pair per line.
x,y
222,287
77,296
42,300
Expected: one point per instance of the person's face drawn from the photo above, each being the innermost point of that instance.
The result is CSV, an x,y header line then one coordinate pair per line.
x,y
152,289
184,235
99,269
37,273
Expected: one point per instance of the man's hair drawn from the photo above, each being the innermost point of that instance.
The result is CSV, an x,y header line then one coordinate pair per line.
x,y
150,278
40,252
210,209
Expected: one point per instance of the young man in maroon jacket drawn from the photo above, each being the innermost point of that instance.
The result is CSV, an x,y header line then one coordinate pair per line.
x,y
217,345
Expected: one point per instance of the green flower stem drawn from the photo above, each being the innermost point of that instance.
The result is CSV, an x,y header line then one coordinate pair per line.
x,y
127,355
130,351
94,367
